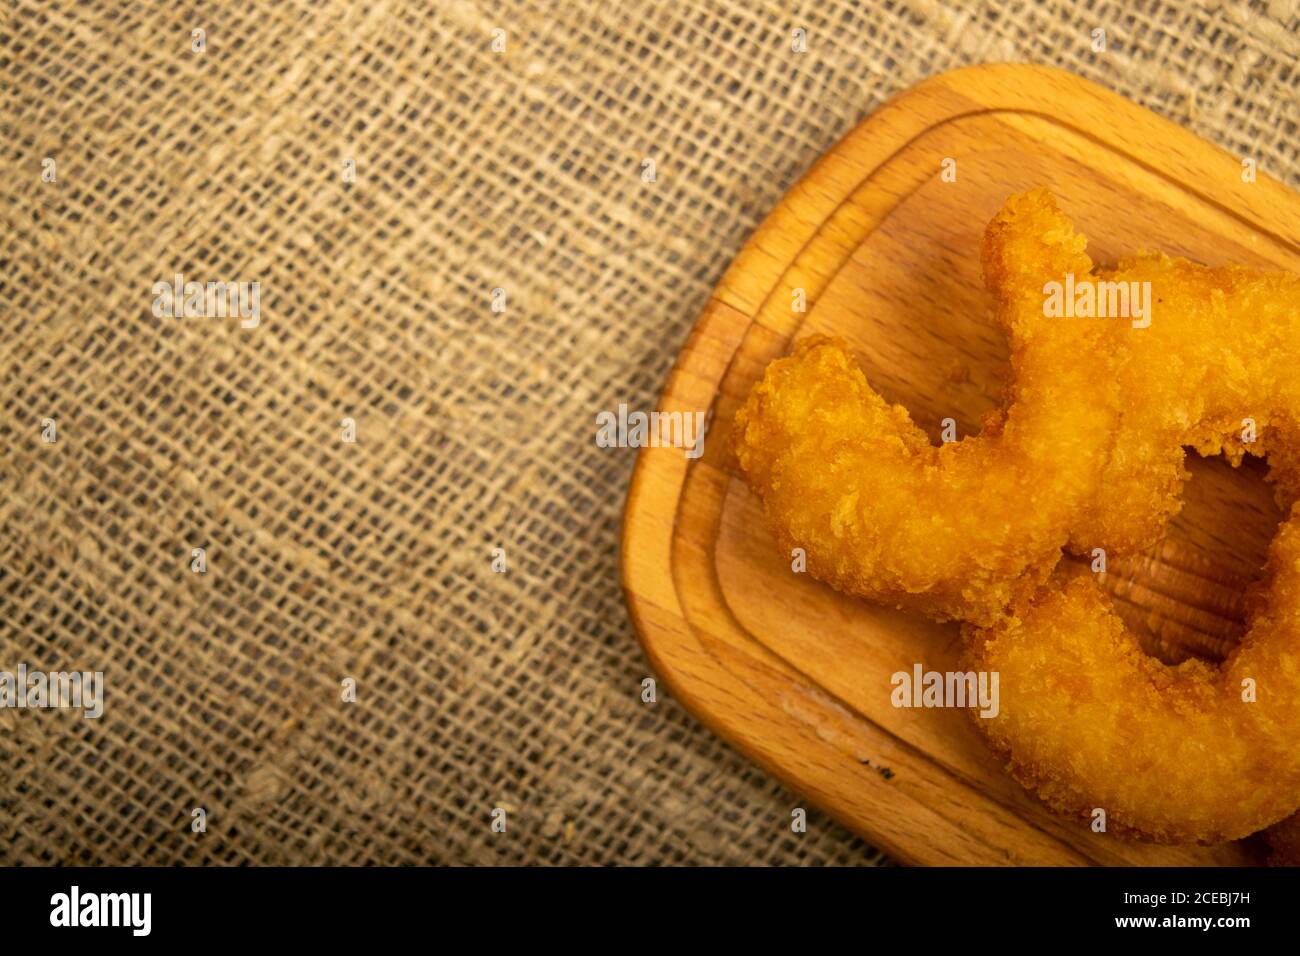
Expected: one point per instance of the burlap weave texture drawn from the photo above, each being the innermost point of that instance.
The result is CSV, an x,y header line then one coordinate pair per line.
x,y
475,169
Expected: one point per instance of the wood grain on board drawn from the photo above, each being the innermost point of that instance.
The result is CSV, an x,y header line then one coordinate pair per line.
x,y
796,675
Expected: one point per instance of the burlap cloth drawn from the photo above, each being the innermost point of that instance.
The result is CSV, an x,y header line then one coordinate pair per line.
x,y
475,169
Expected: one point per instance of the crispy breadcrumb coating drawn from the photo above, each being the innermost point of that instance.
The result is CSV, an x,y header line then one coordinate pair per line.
x,y
955,531
1087,453
1223,346
1182,754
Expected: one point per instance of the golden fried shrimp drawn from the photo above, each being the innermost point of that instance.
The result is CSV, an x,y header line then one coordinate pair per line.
x,y
1175,753
1189,753
955,531
1088,452
1215,370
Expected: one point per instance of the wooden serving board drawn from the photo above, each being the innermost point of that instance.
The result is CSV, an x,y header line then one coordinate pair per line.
x,y
796,675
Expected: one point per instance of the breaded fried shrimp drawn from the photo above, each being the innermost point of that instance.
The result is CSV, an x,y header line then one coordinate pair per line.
x,y
958,530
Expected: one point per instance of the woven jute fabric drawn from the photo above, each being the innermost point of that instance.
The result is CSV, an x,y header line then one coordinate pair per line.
x,y
202,530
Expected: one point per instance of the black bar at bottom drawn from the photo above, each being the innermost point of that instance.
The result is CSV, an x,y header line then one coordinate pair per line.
x,y
622,906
